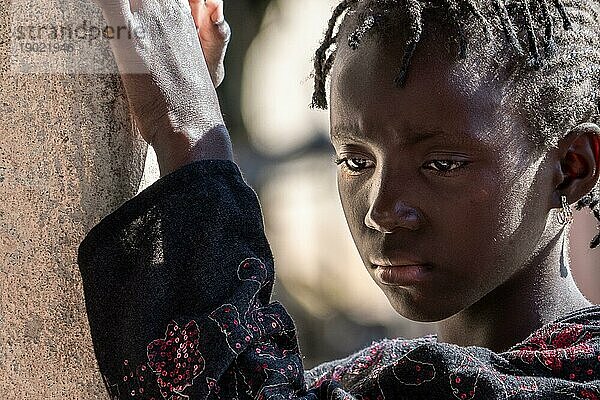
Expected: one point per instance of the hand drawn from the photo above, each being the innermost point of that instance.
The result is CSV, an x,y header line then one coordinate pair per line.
x,y
168,85
214,33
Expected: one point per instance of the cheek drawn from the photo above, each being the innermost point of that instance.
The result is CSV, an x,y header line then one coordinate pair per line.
x,y
466,223
507,217
467,228
354,203
522,208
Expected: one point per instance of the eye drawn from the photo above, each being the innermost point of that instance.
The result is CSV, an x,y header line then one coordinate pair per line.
x,y
444,166
354,164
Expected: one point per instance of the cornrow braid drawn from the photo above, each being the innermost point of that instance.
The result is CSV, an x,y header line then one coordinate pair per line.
x,y
356,37
531,38
563,13
508,26
477,13
549,45
454,14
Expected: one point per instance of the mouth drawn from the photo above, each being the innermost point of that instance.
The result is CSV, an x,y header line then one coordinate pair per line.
x,y
400,272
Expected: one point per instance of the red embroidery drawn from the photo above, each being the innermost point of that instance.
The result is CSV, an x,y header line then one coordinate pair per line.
x,y
176,360
557,348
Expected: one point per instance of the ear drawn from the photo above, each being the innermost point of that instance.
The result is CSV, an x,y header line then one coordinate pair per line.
x,y
578,164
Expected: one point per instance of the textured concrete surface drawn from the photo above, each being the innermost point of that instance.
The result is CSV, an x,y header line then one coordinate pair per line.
x,y
67,159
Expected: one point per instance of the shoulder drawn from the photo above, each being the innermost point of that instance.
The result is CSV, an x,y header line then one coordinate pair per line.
x,y
568,348
365,363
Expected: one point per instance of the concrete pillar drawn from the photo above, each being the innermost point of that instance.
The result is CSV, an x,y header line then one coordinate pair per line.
x,y
68,157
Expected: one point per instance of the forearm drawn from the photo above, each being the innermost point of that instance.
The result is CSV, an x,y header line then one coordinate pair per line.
x,y
178,283
169,87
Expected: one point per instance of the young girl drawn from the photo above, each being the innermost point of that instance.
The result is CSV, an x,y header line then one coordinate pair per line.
x,y
463,130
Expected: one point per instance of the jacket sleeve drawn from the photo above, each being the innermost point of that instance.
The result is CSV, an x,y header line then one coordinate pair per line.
x,y
177,285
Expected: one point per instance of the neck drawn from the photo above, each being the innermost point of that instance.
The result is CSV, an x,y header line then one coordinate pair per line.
x,y
541,292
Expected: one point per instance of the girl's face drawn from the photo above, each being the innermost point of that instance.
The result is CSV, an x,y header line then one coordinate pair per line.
x,y
436,180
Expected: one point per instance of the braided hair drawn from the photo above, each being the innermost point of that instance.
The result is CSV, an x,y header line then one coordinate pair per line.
x,y
551,72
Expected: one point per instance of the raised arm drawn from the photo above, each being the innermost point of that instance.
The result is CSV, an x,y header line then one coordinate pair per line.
x,y
168,83
177,281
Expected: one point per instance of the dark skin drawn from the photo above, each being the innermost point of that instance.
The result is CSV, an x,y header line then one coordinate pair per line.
x,y
437,182
472,200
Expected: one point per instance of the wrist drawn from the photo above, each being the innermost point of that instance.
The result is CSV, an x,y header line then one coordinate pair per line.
x,y
176,150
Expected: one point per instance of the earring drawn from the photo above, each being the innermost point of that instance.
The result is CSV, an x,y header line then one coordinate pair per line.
x,y
565,215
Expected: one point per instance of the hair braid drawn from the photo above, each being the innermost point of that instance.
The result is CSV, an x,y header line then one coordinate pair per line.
x,y
414,10
563,13
356,37
477,13
549,45
453,13
531,38
321,59
507,25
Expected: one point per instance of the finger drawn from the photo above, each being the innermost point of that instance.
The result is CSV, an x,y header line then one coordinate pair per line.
x,y
199,12
215,27
218,19
222,31
215,9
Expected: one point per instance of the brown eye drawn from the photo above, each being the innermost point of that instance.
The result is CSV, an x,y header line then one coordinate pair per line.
x,y
357,164
354,164
444,165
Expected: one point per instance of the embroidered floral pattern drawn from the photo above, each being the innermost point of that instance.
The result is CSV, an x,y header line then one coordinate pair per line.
x,y
229,320
135,383
411,372
566,351
241,330
176,359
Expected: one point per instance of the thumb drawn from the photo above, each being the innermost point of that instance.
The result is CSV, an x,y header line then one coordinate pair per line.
x,y
214,29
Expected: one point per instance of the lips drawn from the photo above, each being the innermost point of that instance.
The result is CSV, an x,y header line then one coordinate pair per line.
x,y
400,272
406,275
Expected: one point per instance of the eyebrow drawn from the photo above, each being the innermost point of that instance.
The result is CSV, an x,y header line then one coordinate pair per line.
x,y
420,135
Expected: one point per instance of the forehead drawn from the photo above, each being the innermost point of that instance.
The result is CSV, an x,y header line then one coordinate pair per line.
x,y
441,93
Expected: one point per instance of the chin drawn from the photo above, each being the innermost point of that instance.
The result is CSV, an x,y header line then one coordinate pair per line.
x,y
419,309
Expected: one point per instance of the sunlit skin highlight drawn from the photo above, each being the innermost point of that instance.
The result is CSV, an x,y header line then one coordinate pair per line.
x,y
434,175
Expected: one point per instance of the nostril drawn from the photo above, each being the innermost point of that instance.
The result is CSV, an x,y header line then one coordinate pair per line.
x,y
376,222
408,214
399,216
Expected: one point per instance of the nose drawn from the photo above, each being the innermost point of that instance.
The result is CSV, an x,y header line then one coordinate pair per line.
x,y
389,213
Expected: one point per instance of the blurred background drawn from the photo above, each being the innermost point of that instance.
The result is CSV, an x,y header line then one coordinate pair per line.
x,y
283,150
